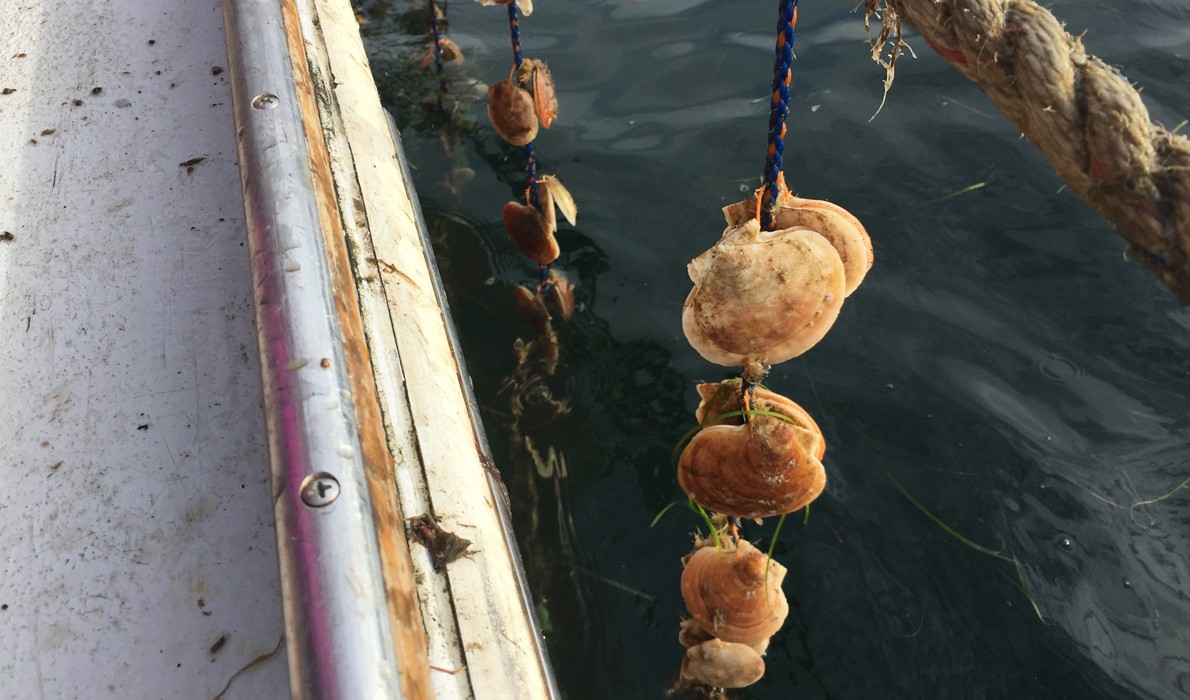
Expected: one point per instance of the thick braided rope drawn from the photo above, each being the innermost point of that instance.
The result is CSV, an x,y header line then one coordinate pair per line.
x,y
778,109
1086,118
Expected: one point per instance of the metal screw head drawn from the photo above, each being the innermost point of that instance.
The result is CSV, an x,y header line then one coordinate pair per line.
x,y
320,490
265,100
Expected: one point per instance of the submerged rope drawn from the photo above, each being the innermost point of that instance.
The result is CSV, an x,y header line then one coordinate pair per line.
x,y
1086,118
437,34
778,109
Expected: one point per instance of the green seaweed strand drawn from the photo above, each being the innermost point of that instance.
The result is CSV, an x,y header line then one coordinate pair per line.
x,y
710,421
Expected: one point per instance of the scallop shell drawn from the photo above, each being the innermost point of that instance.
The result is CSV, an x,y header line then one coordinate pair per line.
x,y
836,225
690,634
510,109
759,469
525,6
545,99
766,296
831,221
545,203
562,198
528,230
735,595
719,398
722,664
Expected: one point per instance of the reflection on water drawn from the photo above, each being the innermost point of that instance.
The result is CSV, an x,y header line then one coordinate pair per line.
x,y
1003,364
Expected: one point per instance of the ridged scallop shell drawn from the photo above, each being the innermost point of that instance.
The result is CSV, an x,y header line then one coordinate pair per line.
x,y
511,111
732,596
759,469
545,99
766,296
722,664
719,398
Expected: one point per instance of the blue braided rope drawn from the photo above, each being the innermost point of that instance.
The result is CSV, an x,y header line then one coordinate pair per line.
x,y
514,31
534,200
782,72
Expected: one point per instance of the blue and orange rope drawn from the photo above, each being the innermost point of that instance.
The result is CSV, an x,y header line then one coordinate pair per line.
x,y
779,109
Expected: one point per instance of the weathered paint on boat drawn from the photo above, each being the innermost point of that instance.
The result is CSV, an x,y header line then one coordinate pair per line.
x,y
138,560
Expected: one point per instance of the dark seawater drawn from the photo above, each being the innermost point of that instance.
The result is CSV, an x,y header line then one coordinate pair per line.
x,y
1004,365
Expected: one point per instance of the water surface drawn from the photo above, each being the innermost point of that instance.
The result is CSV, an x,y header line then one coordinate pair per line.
x,y
1004,367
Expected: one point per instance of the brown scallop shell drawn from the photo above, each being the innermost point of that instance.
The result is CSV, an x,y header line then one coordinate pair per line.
x,y
766,296
545,99
760,469
511,111
529,231
719,398
735,595
722,664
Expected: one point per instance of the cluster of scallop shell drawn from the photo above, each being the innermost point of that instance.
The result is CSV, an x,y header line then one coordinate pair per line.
x,y
516,108
736,605
769,296
759,298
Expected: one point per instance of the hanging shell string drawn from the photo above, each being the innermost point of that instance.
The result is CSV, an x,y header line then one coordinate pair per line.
x,y
514,31
782,73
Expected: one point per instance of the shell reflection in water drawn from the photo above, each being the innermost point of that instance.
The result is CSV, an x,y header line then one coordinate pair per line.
x,y
758,469
735,595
